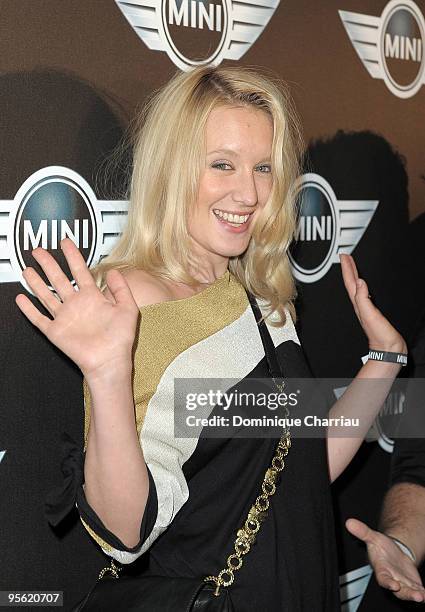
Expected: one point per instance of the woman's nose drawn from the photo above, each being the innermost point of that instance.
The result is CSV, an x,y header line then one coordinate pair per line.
x,y
245,190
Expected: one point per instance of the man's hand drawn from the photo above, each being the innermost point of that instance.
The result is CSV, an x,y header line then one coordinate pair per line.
x,y
394,570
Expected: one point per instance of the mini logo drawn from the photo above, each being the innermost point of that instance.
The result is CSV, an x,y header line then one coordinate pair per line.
x,y
385,426
326,227
391,46
197,32
52,204
352,587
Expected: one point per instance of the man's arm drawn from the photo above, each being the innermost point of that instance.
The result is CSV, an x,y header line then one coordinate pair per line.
x,y
403,517
394,569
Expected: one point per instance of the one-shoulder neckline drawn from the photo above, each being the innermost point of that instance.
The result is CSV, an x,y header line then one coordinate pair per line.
x,y
221,280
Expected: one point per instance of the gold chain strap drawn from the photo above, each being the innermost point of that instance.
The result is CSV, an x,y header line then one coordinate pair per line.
x,y
114,569
246,535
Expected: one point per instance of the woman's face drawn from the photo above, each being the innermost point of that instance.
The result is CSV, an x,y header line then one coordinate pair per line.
x,y
236,180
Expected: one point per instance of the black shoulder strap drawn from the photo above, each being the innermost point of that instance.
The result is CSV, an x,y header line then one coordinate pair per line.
x,y
269,347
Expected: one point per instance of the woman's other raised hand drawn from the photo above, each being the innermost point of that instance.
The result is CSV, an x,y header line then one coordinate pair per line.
x,y
381,335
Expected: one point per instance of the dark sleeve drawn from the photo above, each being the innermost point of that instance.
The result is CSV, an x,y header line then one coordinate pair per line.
x,y
61,501
408,459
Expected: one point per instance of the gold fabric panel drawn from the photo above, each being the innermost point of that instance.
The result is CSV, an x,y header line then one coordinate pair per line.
x,y
168,328
95,537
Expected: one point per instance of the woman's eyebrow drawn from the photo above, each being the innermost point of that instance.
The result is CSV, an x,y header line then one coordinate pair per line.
x,y
233,152
223,150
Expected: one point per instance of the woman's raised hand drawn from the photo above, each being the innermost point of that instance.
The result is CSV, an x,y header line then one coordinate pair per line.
x,y
379,331
97,333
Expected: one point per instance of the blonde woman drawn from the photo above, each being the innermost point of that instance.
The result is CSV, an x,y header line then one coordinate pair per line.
x,y
211,216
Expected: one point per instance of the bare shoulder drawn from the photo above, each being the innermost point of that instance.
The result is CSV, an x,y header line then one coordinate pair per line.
x,y
146,288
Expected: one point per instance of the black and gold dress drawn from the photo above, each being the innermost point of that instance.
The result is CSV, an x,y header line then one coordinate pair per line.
x,y
201,488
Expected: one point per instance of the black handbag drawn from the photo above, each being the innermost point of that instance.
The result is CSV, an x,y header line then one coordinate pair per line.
x,y
154,594
170,594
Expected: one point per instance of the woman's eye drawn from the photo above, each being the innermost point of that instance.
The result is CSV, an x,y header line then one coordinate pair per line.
x,y
264,168
222,166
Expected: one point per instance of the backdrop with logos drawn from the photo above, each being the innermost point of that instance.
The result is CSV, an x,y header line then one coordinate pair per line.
x,y
73,75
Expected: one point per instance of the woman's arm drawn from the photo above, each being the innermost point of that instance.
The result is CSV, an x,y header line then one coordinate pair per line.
x,y
365,395
116,482
362,399
97,332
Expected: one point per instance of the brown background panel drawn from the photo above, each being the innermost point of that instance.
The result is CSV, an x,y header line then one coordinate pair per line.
x,y
305,43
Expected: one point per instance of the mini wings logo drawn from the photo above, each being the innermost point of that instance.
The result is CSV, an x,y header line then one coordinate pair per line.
x,y
197,32
391,46
326,227
352,587
54,203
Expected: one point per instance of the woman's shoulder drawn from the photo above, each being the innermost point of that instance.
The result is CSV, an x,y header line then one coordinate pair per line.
x,y
146,288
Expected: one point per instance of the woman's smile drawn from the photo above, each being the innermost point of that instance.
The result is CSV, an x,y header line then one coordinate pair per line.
x,y
233,222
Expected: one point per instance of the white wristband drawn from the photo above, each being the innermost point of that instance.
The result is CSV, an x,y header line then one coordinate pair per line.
x,y
407,551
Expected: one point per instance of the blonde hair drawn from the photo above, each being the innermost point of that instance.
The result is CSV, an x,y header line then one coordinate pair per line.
x,y
168,157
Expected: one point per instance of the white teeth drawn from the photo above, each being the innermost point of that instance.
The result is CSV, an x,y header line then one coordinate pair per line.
x,y
231,218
